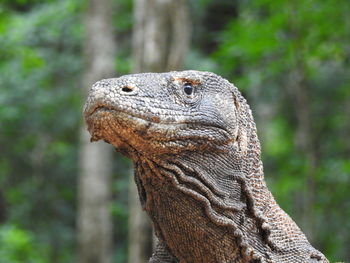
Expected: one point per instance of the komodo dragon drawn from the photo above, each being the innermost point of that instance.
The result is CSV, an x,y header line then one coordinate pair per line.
x,y
193,142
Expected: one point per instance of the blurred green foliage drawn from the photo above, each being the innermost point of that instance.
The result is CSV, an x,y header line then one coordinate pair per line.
x,y
258,45
40,116
18,245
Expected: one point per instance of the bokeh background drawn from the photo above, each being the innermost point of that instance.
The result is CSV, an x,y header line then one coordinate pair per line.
x,y
290,59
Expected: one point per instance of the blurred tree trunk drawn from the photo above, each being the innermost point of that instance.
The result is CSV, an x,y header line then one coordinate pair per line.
x,y
94,219
161,37
305,140
305,144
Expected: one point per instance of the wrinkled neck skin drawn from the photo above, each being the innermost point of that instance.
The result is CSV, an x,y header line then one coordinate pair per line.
x,y
214,206
186,205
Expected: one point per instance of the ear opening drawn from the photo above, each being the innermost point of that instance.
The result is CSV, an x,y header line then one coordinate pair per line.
x,y
235,102
241,133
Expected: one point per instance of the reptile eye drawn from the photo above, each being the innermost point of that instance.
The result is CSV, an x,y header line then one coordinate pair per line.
x,y
188,88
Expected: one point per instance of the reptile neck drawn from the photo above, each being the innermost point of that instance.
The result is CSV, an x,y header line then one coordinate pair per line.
x,y
191,198
187,207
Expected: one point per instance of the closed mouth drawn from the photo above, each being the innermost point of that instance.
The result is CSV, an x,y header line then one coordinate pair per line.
x,y
98,109
139,117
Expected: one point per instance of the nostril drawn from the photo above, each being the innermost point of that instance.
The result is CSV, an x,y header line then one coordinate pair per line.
x,y
127,89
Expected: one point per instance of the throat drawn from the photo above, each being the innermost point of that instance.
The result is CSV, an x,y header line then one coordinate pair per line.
x,y
192,212
178,203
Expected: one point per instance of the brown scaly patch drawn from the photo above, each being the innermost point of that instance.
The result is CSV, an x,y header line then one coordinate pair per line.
x,y
194,82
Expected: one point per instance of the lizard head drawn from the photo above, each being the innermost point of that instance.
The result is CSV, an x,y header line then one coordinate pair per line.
x,y
157,113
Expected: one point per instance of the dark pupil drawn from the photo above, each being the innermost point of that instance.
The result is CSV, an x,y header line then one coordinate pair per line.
x,y
188,88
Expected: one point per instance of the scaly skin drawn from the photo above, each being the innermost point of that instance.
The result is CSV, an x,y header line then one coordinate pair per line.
x,y
193,141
